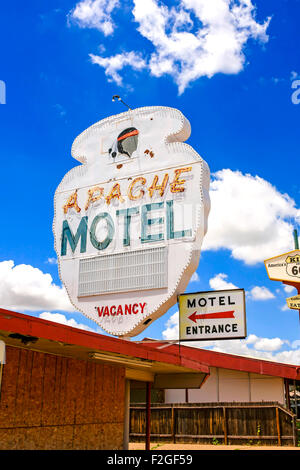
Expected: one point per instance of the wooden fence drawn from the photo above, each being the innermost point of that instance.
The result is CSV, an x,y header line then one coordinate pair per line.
x,y
266,423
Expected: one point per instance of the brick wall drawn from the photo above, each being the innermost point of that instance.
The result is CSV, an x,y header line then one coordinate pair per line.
x,y
58,403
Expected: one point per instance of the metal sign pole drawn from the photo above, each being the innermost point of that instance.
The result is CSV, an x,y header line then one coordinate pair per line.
x,y
296,240
296,243
148,415
286,268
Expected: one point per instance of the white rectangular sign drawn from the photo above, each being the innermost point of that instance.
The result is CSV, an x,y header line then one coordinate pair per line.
x,y
212,315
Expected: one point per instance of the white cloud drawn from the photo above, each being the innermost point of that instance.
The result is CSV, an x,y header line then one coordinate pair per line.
x,y
252,346
172,327
289,289
249,217
207,38
59,318
219,282
277,80
195,277
294,75
251,339
60,109
52,260
261,348
260,293
114,64
289,357
24,287
95,14
268,344
195,38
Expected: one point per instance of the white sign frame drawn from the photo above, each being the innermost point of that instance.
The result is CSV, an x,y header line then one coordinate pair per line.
x,y
119,183
204,316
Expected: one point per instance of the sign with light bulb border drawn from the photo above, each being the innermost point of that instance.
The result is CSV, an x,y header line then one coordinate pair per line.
x,y
130,219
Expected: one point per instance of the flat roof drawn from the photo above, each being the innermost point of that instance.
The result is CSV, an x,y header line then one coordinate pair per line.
x,y
231,361
154,356
25,331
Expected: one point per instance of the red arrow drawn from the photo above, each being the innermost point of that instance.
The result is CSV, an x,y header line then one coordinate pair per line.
x,y
194,317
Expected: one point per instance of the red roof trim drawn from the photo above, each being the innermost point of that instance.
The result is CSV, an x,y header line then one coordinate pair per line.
x,y
234,362
193,358
28,325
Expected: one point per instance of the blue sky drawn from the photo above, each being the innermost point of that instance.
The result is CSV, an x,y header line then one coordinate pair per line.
x,y
232,71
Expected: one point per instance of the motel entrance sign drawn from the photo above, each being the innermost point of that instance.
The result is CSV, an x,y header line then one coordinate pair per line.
x,y
212,315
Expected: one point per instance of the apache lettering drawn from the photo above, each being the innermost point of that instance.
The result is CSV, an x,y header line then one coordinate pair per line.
x,y
212,329
116,310
134,191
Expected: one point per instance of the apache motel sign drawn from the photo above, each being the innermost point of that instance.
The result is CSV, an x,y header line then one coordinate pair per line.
x,y
130,219
212,315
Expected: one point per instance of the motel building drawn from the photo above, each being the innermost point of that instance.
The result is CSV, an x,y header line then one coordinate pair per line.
x,y
63,388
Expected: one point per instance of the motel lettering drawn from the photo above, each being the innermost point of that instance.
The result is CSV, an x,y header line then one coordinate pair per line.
x,y
165,225
210,301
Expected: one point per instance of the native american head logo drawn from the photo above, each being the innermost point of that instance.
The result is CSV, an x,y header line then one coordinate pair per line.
x,y
126,143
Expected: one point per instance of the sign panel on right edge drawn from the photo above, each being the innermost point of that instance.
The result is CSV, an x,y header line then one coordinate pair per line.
x,y
293,302
212,315
285,267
